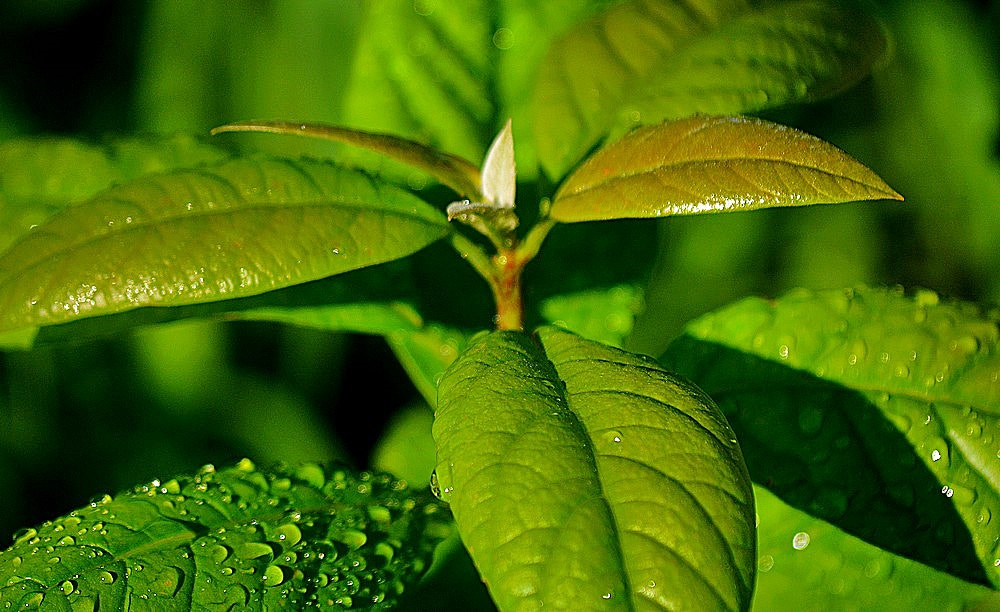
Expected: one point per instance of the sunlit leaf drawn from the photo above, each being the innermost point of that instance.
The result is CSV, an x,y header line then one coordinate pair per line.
x,y
450,170
233,230
712,164
580,475
604,315
237,538
644,61
872,410
807,564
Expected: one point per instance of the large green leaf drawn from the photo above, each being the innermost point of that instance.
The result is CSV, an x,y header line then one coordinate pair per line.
x,y
900,393
712,164
579,474
40,176
644,61
237,538
237,229
807,564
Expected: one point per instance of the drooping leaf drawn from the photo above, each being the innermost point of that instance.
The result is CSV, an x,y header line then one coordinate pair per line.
x,y
237,538
426,353
877,412
40,176
451,170
237,229
808,564
712,164
580,475
645,61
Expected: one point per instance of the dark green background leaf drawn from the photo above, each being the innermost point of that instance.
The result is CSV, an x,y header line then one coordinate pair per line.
x,y
875,411
579,473
237,229
237,538
644,61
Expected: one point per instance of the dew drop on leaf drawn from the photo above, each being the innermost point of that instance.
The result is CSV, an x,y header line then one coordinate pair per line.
x,y
800,540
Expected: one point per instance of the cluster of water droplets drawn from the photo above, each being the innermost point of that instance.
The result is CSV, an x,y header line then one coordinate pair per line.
x,y
231,539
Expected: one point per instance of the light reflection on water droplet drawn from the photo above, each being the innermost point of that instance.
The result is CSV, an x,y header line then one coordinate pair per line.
x,y
800,540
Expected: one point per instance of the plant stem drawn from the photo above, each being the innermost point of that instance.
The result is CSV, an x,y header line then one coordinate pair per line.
x,y
506,285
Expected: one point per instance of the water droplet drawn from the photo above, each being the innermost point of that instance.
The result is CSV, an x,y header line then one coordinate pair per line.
x,y
167,582
783,351
503,39
607,596
254,550
353,538
935,455
901,371
273,575
67,587
800,540
25,534
288,534
106,577
766,563
946,490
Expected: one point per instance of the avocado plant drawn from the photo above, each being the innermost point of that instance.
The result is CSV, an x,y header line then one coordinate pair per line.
x,y
825,449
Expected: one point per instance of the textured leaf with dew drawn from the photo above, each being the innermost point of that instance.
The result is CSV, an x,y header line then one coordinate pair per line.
x,y
712,164
581,475
219,232
873,410
237,538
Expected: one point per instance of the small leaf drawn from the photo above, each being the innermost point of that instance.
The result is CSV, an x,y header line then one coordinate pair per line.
x,y
583,476
644,61
712,164
237,538
499,172
194,236
902,393
450,170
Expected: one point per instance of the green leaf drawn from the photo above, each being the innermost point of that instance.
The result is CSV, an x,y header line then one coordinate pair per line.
x,y
807,564
644,61
232,230
900,393
237,538
603,315
39,176
455,172
712,164
426,353
578,473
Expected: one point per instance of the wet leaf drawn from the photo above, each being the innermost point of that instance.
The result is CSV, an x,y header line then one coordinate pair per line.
x,y
604,315
644,61
450,170
237,538
808,564
872,410
237,229
712,164
582,475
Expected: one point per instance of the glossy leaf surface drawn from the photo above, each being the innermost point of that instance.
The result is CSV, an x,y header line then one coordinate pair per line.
x,y
233,230
237,538
455,172
580,475
875,411
712,164
645,61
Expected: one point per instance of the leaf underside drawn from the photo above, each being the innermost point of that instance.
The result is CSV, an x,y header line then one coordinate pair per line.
x,y
645,61
219,232
232,539
450,170
900,392
712,164
580,475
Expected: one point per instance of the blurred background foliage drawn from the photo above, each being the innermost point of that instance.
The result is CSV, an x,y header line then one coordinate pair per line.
x,y
99,416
